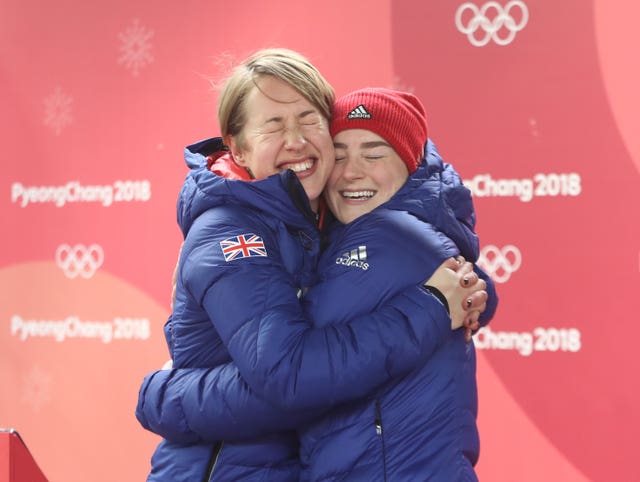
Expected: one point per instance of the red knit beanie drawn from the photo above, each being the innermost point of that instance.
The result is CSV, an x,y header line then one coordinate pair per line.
x,y
398,117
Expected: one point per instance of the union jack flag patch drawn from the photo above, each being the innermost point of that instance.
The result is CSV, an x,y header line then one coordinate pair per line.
x,y
243,246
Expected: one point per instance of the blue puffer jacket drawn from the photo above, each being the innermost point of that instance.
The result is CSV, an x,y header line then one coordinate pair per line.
x,y
249,253
422,426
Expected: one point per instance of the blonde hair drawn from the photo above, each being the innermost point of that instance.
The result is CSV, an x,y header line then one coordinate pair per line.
x,y
283,64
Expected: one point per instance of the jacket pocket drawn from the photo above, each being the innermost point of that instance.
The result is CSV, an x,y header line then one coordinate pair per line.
x,y
380,434
213,460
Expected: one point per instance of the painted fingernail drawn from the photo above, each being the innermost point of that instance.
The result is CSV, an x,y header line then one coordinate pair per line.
x,y
469,303
465,280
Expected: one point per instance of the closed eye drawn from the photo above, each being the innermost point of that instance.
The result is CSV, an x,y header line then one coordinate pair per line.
x,y
340,154
272,126
309,118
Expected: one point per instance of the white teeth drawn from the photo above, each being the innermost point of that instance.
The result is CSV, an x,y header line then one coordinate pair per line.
x,y
358,194
301,166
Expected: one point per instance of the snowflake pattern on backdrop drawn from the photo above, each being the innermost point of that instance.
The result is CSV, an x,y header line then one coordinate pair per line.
x,y
58,111
135,47
36,388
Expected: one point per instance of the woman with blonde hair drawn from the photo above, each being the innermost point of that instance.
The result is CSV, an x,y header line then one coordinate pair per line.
x,y
249,210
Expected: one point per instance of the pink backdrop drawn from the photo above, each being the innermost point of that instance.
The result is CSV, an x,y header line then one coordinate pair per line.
x,y
535,102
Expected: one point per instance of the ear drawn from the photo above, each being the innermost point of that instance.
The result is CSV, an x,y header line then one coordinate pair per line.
x,y
232,143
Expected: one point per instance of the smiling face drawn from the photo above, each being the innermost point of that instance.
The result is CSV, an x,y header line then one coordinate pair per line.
x,y
283,130
367,173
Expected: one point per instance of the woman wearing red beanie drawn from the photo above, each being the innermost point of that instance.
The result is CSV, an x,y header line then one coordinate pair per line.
x,y
396,210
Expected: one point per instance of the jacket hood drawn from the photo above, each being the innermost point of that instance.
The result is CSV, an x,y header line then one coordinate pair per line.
x,y
435,193
280,195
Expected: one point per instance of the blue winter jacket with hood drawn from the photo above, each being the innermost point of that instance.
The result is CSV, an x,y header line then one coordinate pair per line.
x,y
421,426
249,254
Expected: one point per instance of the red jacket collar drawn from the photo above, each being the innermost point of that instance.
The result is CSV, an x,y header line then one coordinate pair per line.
x,y
223,164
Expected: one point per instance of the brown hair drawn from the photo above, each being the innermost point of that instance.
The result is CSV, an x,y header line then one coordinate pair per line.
x,y
286,65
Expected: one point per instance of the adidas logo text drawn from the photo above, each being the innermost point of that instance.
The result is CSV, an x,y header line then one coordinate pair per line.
x,y
356,258
359,113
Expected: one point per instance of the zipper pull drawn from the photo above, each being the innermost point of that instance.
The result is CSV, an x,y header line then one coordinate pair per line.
x,y
378,419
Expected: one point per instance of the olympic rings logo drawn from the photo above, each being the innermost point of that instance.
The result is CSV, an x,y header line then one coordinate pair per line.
x,y
492,27
500,264
79,260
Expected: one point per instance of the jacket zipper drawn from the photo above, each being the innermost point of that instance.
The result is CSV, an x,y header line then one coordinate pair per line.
x,y
213,460
380,433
